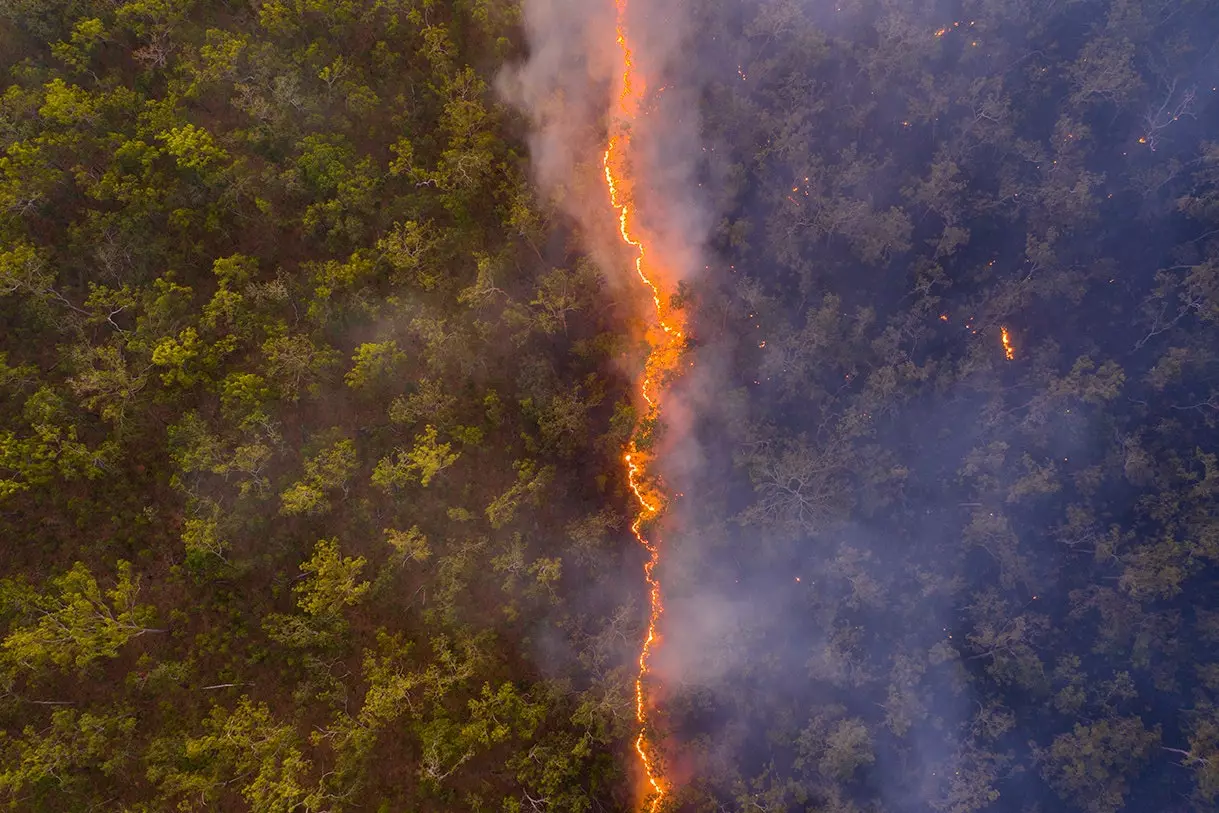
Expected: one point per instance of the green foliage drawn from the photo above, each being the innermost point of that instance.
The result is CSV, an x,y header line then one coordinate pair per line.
x,y
244,396
297,364
67,105
407,248
243,745
408,544
22,269
77,53
178,354
193,148
46,448
106,383
332,580
74,622
74,743
420,464
204,212
202,535
329,470
531,482
373,364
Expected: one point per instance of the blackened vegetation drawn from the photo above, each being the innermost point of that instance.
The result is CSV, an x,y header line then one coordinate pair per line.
x,y
1007,569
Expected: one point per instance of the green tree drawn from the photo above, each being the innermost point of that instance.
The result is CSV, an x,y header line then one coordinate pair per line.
x,y
244,746
332,580
297,364
60,754
328,470
373,364
74,622
1093,765
421,464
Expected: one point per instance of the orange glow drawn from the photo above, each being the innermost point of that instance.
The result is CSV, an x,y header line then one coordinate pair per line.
x,y
1008,349
663,361
632,475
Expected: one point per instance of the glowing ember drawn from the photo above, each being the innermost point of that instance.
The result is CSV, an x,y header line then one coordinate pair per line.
x,y
663,360
1008,349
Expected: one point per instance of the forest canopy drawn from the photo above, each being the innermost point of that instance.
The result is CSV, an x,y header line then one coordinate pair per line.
x,y
313,407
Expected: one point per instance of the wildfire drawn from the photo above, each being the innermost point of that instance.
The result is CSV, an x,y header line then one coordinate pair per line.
x,y
1008,349
939,32
663,360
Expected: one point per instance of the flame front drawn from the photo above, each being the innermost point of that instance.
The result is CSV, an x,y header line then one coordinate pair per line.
x,y
664,350
1008,349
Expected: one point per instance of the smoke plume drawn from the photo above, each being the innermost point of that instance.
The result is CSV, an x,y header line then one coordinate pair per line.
x,y
566,88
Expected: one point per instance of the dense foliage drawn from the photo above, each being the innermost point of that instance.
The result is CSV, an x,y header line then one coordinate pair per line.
x,y
308,421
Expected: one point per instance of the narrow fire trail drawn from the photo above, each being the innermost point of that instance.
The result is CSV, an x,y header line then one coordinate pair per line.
x,y
664,351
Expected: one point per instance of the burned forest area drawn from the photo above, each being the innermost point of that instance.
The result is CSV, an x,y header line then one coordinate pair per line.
x,y
542,406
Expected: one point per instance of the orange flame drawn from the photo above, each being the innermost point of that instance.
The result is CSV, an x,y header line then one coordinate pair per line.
x,y
663,358
1008,349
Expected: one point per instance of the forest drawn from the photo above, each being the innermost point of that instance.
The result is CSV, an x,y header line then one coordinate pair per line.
x,y
315,394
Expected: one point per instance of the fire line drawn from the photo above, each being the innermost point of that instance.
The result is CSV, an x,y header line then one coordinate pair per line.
x,y
662,361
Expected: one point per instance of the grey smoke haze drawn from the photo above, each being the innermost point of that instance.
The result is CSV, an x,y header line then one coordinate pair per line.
x,y
897,181
736,625
566,89
733,623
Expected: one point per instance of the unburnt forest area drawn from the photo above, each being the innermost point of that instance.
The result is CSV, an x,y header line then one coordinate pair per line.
x,y
308,425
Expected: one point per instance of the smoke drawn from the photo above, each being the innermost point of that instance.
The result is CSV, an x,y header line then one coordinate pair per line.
x,y
567,87
843,541
616,134
563,88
